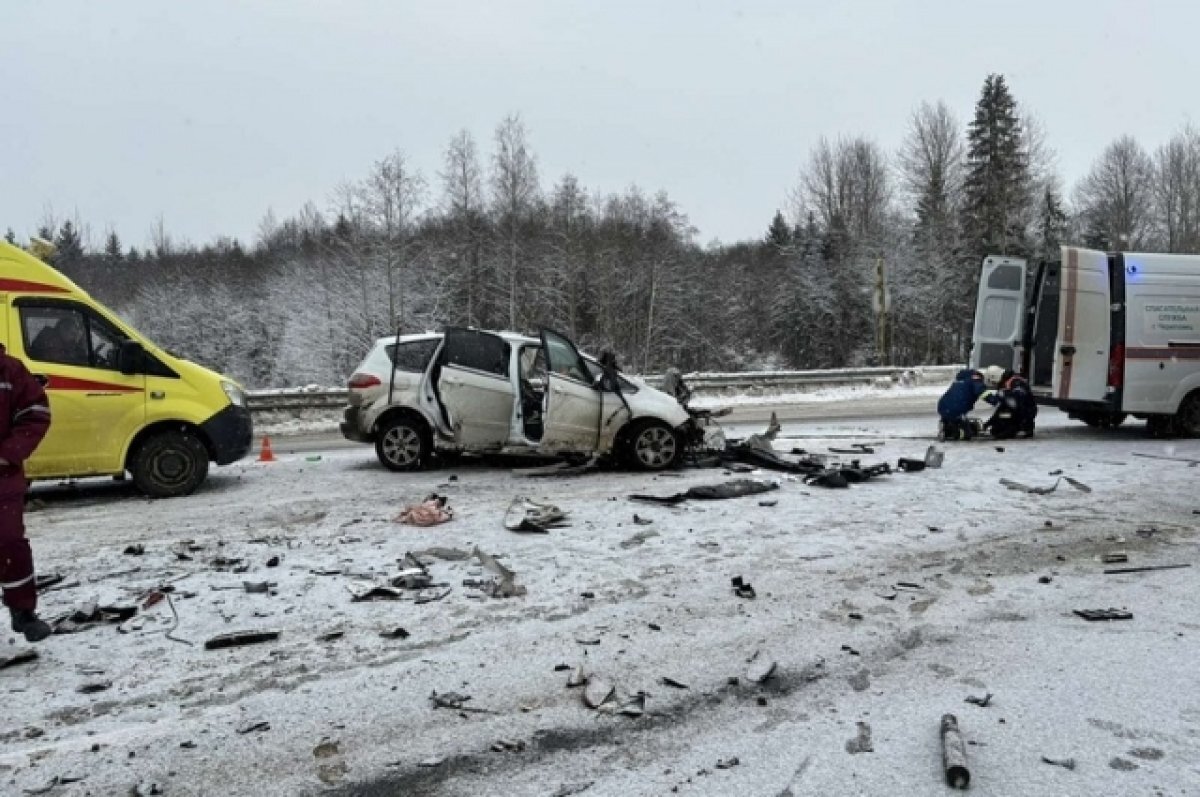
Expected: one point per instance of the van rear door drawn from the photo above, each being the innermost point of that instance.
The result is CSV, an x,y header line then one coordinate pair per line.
x,y
999,314
1082,346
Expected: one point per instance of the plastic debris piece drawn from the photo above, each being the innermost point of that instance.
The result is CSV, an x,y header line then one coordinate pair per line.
x,y
982,702
395,633
93,687
527,515
1065,763
671,682
254,726
137,549
23,656
577,678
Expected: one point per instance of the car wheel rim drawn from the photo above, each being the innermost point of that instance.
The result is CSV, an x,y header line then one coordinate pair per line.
x,y
655,447
171,468
402,446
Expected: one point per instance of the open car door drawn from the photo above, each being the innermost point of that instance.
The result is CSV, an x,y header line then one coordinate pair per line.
x,y
473,382
999,314
571,420
1081,357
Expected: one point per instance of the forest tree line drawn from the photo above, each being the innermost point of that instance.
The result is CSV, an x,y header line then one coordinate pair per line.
x,y
485,242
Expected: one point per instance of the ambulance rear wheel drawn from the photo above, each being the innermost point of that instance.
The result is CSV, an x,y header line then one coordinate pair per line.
x,y
169,464
1187,420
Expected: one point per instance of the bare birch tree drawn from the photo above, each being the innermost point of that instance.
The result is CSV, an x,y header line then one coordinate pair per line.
x,y
514,194
1115,200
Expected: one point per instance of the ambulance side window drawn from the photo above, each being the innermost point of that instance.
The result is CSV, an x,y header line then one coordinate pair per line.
x,y
69,336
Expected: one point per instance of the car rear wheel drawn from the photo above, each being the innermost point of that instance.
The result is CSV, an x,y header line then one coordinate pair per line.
x,y
1187,420
652,446
169,464
402,444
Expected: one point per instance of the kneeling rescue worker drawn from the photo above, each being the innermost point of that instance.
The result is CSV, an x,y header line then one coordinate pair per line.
x,y
1016,409
958,400
24,421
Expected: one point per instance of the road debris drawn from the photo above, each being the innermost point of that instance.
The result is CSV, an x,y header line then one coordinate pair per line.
x,y
641,521
1112,571
635,706
910,465
453,700
934,457
638,539
432,511
508,746
1104,614
254,726
577,678
598,692
570,789
137,549
527,515
1065,763
737,488
728,763
505,586
761,668
674,684
742,589
93,687
861,743
395,633
370,591
89,615
23,656
982,702
239,638
954,754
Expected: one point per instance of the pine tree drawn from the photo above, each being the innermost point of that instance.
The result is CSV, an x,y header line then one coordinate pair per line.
x,y
779,234
10,236
68,247
112,247
1052,224
996,188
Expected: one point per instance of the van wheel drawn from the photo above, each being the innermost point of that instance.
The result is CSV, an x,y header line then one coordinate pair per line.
x,y
169,464
1187,420
402,444
652,445
1161,425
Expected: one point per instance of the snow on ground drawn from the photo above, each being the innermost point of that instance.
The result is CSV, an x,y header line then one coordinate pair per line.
x,y
857,651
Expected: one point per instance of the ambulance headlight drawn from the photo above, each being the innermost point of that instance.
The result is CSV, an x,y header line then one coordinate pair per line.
x,y
237,396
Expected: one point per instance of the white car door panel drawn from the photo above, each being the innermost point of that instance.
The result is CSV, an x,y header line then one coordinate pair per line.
x,y
474,387
573,405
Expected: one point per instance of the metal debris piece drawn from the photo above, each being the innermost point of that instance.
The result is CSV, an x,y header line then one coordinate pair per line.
x,y
954,754
1065,763
934,457
738,488
527,515
431,597
372,592
1078,485
634,706
598,692
395,633
982,702
671,682
1025,488
508,746
1114,557
577,678
23,656
728,763
93,687
1144,569
641,521
331,636
506,587
254,726
1104,614
239,638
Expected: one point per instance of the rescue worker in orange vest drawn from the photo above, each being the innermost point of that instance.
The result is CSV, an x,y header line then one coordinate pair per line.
x,y
24,421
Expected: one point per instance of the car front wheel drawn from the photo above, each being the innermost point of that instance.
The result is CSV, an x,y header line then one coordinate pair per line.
x,y
1187,420
169,464
652,446
401,444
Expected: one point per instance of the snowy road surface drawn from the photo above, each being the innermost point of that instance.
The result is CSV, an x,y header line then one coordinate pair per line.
x,y
884,606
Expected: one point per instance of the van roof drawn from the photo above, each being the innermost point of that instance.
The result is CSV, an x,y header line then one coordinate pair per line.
x,y
21,272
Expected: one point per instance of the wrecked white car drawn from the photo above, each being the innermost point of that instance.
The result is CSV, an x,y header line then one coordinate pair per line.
x,y
471,391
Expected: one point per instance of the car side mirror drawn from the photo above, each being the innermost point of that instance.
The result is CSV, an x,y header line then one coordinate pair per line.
x,y
131,358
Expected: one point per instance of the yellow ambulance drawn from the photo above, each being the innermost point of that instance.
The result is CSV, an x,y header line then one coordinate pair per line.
x,y
118,402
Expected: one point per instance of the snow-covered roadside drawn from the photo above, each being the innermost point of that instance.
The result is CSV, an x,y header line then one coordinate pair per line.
x,y
1119,697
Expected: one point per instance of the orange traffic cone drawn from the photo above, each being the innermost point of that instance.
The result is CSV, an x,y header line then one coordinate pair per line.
x,y
266,454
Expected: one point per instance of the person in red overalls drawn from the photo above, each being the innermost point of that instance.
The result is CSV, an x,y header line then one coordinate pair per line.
x,y
24,421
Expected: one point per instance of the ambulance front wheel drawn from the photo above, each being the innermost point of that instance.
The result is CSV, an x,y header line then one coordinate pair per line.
x,y
169,464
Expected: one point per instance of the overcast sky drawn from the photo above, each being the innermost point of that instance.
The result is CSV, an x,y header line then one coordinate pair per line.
x,y
211,112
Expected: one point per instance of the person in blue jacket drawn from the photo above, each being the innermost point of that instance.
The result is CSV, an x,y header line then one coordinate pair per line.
x,y
958,400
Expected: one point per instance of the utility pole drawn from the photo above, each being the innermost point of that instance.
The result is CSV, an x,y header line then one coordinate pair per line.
x,y
882,304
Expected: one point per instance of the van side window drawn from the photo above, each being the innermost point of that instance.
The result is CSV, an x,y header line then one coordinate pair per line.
x,y
58,334
413,356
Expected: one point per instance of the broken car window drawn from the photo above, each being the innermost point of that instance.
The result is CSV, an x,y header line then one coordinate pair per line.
x,y
412,356
477,351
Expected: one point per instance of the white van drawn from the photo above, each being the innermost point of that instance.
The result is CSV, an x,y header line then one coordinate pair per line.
x,y
1100,336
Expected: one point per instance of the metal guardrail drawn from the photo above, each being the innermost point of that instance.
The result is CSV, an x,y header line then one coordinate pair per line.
x,y
702,385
